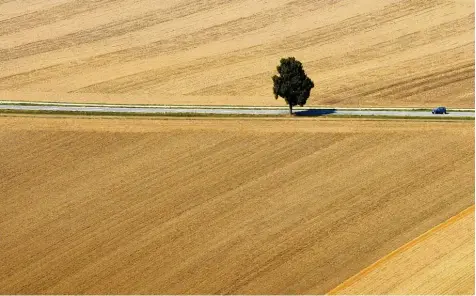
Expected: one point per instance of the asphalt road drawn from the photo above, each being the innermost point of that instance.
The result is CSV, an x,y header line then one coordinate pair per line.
x,y
226,110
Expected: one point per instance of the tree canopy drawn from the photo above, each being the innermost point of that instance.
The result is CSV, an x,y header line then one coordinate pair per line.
x,y
292,84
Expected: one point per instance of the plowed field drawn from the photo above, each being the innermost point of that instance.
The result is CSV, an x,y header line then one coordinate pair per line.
x,y
359,53
215,206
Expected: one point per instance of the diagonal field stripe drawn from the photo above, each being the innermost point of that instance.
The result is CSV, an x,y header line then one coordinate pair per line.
x,y
350,281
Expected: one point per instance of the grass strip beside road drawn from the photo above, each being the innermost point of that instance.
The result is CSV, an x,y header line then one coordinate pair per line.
x,y
129,114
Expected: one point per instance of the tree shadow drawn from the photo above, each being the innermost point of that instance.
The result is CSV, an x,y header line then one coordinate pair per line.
x,y
315,112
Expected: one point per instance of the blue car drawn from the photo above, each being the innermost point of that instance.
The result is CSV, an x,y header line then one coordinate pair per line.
x,y
439,110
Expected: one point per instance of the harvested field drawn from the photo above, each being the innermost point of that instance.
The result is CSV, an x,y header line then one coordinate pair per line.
x,y
216,206
440,262
359,53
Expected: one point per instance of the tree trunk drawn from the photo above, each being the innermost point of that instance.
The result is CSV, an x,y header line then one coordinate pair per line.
x,y
290,109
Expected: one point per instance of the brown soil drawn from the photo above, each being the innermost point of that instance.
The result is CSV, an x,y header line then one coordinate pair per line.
x,y
216,206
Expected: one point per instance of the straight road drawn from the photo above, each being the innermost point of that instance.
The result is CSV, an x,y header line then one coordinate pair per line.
x,y
101,109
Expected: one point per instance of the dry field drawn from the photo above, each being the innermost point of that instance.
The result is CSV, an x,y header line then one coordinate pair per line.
x,y
216,206
359,52
440,262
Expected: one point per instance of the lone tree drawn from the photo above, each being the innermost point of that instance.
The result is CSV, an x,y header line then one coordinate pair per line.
x,y
292,84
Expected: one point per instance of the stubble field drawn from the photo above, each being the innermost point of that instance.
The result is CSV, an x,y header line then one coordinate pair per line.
x,y
212,52
440,262
241,206
215,206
